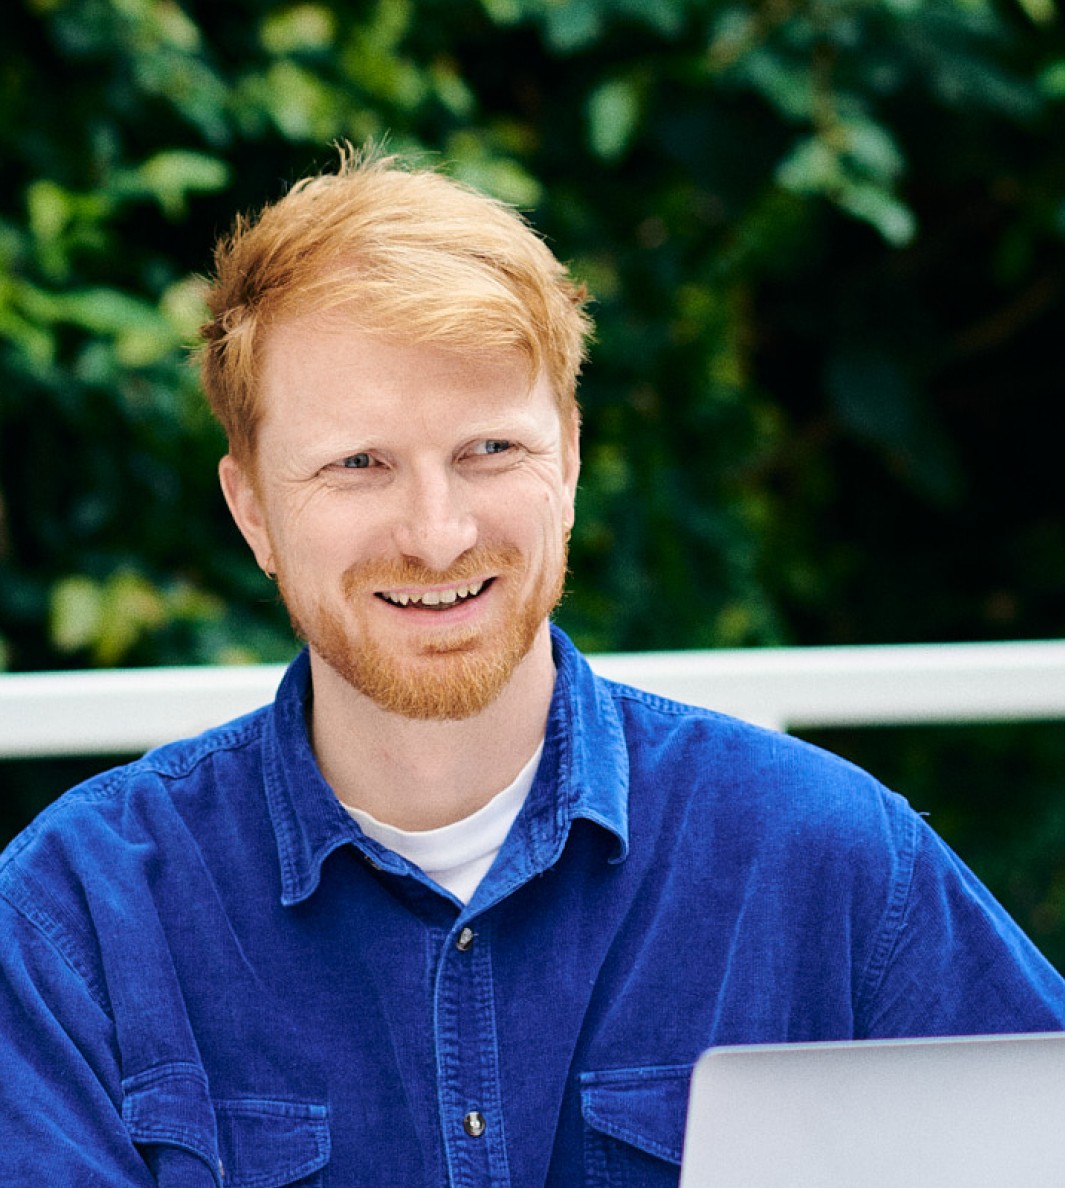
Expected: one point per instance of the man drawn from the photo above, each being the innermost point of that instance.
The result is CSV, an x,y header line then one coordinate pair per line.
x,y
451,910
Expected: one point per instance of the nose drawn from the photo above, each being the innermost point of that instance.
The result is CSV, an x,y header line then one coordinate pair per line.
x,y
435,524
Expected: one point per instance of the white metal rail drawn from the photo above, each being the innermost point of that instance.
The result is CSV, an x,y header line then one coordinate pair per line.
x,y
125,711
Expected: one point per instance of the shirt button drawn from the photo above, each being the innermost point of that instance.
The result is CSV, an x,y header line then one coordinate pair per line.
x,y
464,940
474,1124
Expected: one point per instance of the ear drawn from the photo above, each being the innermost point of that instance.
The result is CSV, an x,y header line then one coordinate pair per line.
x,y
571,460
246,507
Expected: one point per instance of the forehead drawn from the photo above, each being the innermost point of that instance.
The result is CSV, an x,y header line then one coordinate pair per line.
x,y
326,368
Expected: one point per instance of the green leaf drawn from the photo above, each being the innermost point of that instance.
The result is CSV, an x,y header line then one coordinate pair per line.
x,y
572,24
1052,80
882,210
1040,12
871,148
172,175
183,304
451,89
76,613
734,33
50,209
60,221
33,341
475,164
105,311
812,167
613,115
784,84
841,172
666,16
131,606
503,12
299,28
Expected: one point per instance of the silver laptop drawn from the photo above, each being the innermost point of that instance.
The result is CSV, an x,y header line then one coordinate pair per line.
x,y
972,1112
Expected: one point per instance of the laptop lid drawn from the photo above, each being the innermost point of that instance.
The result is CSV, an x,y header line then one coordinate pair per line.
x,y
969,1112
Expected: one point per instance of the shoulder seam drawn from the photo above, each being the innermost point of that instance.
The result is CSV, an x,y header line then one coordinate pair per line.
x,y
109,783
666,705
229,737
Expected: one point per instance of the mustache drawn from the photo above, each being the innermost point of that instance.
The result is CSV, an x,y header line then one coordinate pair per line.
x,y
480,562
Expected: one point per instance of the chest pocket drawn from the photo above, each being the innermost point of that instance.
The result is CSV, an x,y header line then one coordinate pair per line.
x,y
189,1140
634,1126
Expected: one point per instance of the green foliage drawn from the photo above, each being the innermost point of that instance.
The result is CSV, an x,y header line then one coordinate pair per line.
x,y
820,235
825,239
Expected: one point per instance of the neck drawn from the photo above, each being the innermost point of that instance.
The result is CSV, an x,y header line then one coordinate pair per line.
x,y
423,775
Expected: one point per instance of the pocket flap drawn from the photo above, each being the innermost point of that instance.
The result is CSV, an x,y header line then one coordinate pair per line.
x,y
247,1142
266,1143
644,1107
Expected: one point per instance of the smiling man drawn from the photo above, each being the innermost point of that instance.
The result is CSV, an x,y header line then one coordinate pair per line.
x,y
414,505
451,910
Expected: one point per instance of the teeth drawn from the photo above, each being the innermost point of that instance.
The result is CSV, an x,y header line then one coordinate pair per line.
x,y
435,597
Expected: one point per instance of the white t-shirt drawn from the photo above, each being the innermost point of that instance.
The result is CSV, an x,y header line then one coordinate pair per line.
x,y
458,856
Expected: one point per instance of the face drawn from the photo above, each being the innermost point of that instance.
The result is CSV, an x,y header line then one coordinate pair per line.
x,y
415,504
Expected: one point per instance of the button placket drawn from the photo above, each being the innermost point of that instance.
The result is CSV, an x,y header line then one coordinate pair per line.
x,y
470,1092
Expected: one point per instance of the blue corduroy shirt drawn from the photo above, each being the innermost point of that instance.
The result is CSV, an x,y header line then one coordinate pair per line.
x,y
210,976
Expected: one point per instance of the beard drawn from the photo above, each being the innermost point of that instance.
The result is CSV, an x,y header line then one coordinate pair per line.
x,y
459,671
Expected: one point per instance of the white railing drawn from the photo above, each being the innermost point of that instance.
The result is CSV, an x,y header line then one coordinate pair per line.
x,y
125,711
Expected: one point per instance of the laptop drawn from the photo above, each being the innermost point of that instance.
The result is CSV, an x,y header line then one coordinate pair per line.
x,y
968,1112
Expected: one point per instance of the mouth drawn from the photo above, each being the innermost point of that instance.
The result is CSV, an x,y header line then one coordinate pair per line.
x,y
435,600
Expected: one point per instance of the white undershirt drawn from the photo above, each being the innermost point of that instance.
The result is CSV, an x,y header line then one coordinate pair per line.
x,y
458,856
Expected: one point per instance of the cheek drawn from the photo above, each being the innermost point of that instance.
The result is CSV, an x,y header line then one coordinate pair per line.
x,y
318,530
537,516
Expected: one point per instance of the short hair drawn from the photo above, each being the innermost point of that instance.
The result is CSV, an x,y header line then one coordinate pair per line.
x,y
412,254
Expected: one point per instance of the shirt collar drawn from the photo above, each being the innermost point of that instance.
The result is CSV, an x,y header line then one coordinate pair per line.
x,y
583,774
591,771
309,821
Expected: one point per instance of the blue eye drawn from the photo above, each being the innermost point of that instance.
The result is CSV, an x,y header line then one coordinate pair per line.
x,y
496,446
356,462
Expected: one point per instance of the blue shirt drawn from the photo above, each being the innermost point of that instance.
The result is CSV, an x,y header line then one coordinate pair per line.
x,y
208,968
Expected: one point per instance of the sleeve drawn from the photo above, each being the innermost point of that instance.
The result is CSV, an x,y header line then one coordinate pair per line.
x,y
952,961
60,1092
